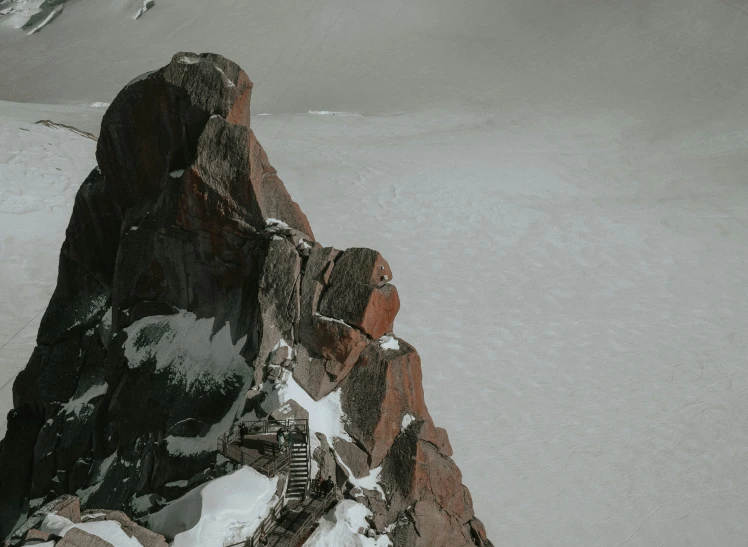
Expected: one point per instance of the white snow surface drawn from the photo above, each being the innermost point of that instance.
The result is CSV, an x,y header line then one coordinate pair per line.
x,y
75,406
389,342
223,511
325,416
579,301
340,527
108,530
41,169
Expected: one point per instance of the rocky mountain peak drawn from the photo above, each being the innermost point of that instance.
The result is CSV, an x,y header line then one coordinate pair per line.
x,y
191,296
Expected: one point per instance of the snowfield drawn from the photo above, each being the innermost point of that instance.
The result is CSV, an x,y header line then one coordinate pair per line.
x,y
575,289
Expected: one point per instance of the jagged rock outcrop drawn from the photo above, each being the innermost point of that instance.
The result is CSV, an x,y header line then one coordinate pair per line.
x,y
190,291
65,512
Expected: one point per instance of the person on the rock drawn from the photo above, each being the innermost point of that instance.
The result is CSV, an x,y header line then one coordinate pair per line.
x,y
318,483
242,433
328,485
281,436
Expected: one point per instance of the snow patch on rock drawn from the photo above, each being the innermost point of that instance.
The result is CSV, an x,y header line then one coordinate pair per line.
x,y
100,469
274,223
186,346
75,407
108,530
407,420
389,342
343,526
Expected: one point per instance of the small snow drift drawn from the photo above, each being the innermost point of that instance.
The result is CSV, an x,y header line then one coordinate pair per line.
x,y
109,531
343,526
224,511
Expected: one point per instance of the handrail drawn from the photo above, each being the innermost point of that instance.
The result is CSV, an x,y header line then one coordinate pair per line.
x,y
237,454
267,524
311,519
271,426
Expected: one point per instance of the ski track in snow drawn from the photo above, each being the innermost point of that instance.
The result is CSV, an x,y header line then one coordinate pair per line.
x,y
574,285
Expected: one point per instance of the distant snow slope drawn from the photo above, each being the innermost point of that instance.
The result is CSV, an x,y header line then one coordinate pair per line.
x,y
41,169
575,285
33,15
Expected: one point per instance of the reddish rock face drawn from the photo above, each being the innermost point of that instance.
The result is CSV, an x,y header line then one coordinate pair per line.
x,y
382,388
78,538
372,309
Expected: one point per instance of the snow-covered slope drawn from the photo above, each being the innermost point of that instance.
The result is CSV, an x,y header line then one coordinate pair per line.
x,y
221,512
666,62
33,15
41,169
575,286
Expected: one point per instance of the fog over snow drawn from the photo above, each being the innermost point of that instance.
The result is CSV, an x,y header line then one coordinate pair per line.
x,y
561,189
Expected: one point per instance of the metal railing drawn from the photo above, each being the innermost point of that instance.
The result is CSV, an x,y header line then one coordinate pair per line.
x,y
264,427
265,527
311,519
257,427
239,455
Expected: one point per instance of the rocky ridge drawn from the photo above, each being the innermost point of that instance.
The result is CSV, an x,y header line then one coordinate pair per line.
x,y
190,292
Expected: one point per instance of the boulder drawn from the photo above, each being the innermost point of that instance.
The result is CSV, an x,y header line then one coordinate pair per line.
x,y
311,374
361,265
380,390
145,537
372,309
355,459
289,411
336,341
76,537
35,537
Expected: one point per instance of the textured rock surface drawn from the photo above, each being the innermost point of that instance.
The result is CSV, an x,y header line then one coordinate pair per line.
x,y
80,538
190,287
144,536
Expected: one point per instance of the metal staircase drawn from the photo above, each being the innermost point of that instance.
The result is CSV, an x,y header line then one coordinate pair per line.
x,y
299,468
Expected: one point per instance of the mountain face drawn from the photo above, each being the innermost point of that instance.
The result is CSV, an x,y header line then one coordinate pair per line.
x,y
191,293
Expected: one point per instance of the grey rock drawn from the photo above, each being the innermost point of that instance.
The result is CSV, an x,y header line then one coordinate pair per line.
x,y
353,457
311,374
361,265
76,537
145,537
